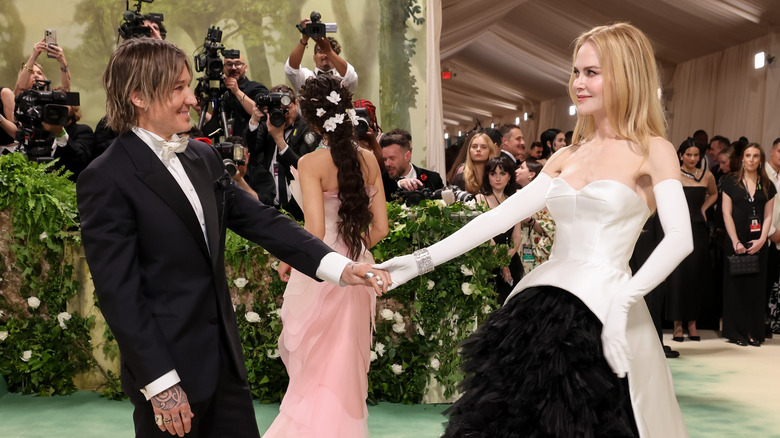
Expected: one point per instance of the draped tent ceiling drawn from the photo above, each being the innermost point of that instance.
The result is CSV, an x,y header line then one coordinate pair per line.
x,y
507,56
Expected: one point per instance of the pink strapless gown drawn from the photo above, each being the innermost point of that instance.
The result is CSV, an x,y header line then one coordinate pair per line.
x,y
325,345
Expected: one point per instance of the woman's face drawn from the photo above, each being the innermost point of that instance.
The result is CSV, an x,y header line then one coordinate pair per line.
x,y
725,163
499,178
588,80
690,157
559,142
751,158
37,74
522,175
479,150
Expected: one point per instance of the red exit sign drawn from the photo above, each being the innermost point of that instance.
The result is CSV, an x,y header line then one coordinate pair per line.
x,y
446,75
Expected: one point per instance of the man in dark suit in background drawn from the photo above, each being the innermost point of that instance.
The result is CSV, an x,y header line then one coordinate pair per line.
x,y
273,150
154,212
400,173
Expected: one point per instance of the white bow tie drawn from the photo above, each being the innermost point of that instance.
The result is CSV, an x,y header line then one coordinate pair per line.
x,y
171,148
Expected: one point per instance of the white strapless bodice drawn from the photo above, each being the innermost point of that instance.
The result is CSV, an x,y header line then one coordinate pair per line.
x,y
596,230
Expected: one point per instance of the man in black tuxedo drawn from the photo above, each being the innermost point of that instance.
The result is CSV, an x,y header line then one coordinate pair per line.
x,y
154,211
273,150
400,173
71,144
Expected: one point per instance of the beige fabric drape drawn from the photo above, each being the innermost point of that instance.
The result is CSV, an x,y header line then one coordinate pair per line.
x,y
434,152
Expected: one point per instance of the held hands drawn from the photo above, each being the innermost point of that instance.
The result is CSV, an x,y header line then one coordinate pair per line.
x,y
613,334
363,274
172,412
401,269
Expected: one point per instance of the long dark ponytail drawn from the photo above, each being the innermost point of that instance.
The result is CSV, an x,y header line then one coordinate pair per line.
x,y
321,112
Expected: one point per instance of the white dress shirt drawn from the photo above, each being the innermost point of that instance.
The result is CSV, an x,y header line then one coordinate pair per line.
x,y
298,76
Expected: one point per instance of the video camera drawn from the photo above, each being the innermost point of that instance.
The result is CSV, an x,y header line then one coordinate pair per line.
x,y
232,156
134,26
277,104
363,117
208,60
317,29
34,107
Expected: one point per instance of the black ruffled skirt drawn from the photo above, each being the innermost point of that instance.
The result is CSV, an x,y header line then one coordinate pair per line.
x,y
535,368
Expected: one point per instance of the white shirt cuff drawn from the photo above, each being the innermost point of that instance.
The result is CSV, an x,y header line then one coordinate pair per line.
x,y
161,384
253,128
282,151
331,267
62,141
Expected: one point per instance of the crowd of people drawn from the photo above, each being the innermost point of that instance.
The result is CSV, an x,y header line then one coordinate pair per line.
x,y
711,250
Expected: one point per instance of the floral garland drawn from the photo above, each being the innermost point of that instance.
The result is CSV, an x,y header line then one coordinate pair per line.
x,y
337,119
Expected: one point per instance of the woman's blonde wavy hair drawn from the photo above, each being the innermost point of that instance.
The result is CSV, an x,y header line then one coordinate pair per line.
x,y
631,85
470,178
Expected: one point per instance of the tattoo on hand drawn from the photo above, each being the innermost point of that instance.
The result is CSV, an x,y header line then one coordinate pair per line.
x,y
170,398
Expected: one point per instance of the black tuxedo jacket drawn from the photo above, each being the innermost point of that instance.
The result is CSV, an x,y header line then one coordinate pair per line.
x,y
76,154
431,180
161,285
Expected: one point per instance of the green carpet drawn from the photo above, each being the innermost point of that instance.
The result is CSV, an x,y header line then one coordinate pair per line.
x,y
724,391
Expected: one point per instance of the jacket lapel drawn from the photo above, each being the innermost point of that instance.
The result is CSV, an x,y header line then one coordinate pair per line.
x,y
204,187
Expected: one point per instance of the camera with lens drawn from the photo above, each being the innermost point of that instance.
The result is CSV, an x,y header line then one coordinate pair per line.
x,y
209,61
277,105
364,118
133,26
317,29
232,156
34,107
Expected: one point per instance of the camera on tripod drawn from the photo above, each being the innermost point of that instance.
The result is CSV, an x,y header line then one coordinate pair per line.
x,y
277,105
232,156
210,63
34,107
317,29
134,26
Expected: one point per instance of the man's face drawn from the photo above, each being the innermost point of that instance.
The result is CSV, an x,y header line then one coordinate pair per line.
x,y
397,160
774,156
536,152
321,60
514,143
292,113
169,116
155,27
715,148
235,68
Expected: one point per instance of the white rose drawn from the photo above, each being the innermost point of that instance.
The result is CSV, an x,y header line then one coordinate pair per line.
x,y
466,288
273,354
465,270
431,284
240,282
277,312
62,317
399,327
374,356
387,314
380,348
486,309
420,330
26,355
3,335
43,236
398,369
252,317
33,302
435,363
398,317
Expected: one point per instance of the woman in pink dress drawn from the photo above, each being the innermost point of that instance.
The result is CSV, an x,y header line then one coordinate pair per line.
x,y
326,340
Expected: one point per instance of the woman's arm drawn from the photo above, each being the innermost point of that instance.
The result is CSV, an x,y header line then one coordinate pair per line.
x,y
728,221
378,207
712,194
7,118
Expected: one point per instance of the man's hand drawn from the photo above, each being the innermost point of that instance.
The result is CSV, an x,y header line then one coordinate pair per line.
x,y
354,274
276,132
174,407
410,184
54,129
284,271
257,115
231,84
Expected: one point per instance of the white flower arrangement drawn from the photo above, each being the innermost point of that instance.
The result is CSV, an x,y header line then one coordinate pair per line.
x,y
373,356
399,327
334,97
332,122
62,317
380,349
273,354
465,270
252,317
3,336
431,284
240,282
398,317
435,364
26,355
320,112
397,369
466,288
352,116
387,314
33,302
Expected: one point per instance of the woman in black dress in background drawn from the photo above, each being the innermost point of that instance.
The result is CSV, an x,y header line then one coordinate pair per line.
x,y
690,281
748,199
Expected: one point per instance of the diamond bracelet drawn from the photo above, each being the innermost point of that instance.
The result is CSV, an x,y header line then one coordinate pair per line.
x,y
424,262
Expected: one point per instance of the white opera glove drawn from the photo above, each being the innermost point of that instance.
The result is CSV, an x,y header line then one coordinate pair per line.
x,y
673,248
517,207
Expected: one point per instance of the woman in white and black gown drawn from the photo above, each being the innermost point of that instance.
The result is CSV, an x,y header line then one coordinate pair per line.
x,y
551,361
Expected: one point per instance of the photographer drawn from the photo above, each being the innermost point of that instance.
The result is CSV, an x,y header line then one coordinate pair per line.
x,y
238,177
155,24
326,60
32,71
71,144
274,149
243,92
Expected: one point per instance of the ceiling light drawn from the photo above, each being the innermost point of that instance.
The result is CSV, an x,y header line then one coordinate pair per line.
x,y
446,136
759,60
525,116
492,125
460,133
572,110
517,120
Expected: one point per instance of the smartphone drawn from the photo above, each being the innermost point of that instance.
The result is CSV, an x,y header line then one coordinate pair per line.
x,y
50,38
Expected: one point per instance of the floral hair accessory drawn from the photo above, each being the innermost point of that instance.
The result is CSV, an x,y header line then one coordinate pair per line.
x,y
334,97
320,112
330,124
352,116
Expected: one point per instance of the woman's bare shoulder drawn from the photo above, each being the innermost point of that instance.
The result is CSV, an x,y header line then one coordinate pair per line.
x,y
662,161
555,163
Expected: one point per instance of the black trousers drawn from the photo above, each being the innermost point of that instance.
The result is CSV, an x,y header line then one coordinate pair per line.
x,y
227,413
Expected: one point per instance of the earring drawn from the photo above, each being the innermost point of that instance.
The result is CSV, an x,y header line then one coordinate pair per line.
x,y
529,178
